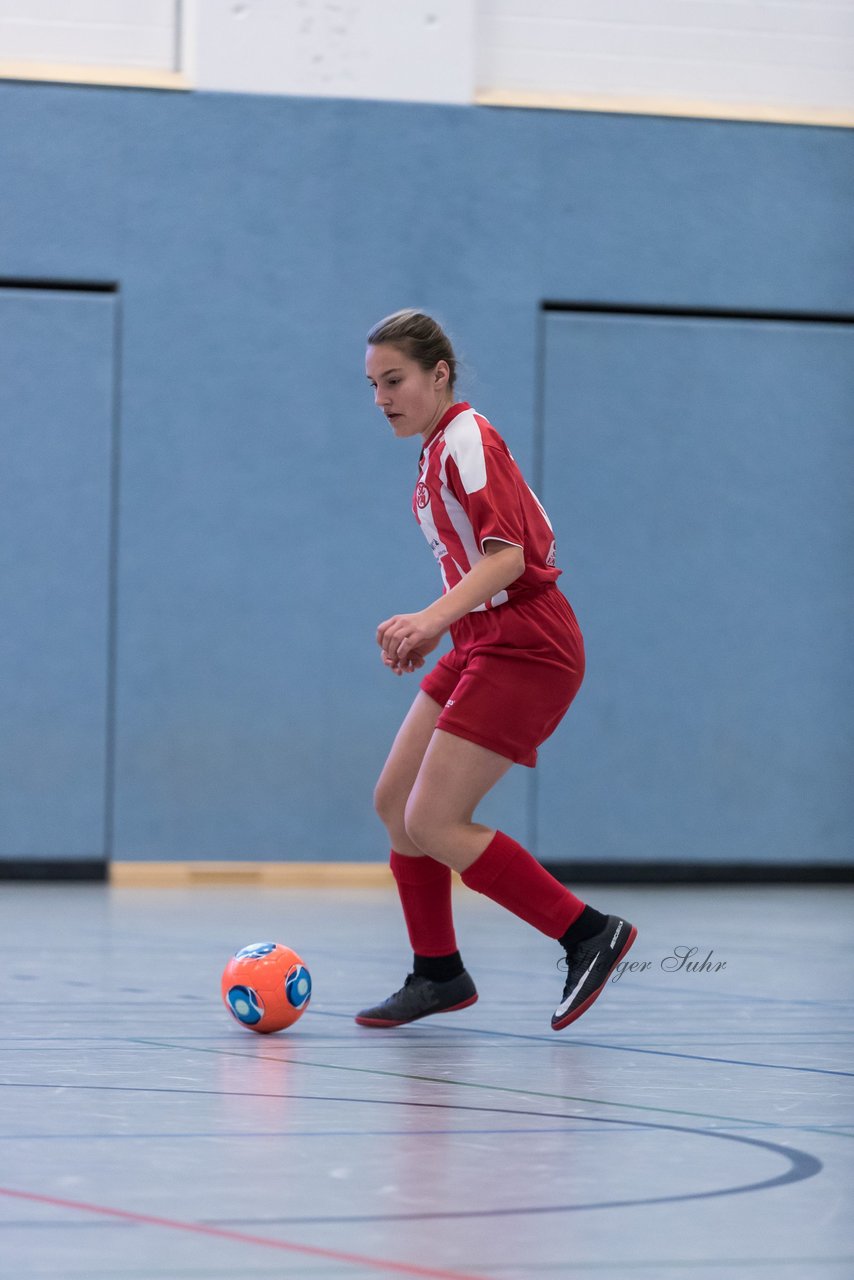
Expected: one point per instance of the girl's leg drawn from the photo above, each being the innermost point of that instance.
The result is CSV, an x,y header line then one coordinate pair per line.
x,y
401,769
438,981
424,885
455,775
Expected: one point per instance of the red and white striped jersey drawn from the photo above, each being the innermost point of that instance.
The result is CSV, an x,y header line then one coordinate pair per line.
x,y
470,489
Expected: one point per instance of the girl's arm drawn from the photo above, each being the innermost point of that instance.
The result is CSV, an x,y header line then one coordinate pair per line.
x,y
399,635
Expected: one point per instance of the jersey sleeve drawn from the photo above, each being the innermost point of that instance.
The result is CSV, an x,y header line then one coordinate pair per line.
x,y
485,481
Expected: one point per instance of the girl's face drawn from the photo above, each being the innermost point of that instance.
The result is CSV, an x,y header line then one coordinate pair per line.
x,y
413,399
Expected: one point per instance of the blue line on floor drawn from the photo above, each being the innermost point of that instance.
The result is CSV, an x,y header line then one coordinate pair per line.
x,y
627,1048
801,1164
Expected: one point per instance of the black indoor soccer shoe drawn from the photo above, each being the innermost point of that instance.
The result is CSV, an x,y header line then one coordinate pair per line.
x,y
589,965
418,998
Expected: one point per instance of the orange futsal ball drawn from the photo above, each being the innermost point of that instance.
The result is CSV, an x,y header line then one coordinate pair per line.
x,y
266,987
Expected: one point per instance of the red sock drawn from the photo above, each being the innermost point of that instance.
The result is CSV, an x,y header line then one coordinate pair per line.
x,y
510,876
424,886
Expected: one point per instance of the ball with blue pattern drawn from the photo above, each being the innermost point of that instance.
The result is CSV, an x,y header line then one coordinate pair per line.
x,y
266,987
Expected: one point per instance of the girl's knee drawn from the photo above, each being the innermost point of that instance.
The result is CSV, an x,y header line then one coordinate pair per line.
x,y
424,828
389,806
387,803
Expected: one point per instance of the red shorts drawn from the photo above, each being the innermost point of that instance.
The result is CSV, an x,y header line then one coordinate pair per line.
x,y
511,675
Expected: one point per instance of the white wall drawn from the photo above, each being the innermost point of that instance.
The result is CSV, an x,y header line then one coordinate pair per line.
x,y
106,33
785,59
785,53
421,50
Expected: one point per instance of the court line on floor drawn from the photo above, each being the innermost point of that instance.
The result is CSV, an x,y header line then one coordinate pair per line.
x,y
761,1125
647,988
294,1134
620,1048
801,1164
445,1081
628,1048
241,1237
476,1084
686,1266
18,1039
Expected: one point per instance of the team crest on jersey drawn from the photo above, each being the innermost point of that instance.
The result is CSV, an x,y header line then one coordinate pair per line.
x,y
422,497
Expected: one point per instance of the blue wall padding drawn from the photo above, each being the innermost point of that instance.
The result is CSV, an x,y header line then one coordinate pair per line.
x,y
56,414
708,538
264,508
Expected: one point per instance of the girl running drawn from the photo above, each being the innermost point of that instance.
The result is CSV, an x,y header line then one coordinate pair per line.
x,y
516,664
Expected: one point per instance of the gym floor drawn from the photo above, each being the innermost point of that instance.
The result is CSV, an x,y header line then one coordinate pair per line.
x,y
695,1123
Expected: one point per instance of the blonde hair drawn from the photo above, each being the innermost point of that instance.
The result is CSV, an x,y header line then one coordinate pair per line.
x,y
419,337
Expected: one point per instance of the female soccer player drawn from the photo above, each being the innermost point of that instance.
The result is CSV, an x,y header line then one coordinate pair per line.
x,y
516,664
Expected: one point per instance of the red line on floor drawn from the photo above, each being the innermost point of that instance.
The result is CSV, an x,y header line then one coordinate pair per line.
x,y
241,1237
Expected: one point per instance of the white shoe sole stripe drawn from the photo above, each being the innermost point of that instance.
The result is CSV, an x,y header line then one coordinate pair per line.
x,y
562,1008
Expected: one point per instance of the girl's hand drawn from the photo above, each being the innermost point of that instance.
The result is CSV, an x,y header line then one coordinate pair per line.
x,y
408,634
411,662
